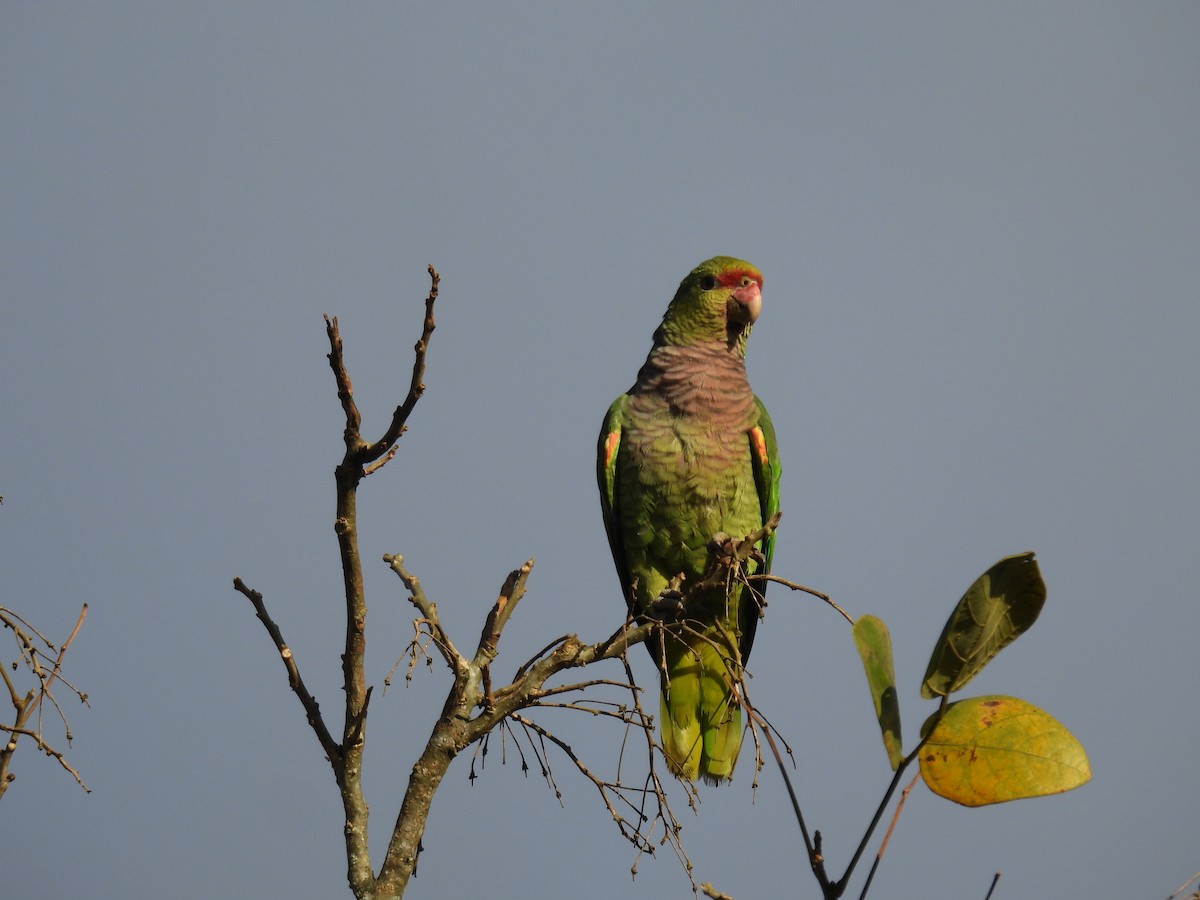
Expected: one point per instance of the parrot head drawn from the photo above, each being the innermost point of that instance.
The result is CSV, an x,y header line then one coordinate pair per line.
x,y
718,300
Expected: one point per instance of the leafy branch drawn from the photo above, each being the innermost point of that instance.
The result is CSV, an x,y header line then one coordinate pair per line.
x,y
975,752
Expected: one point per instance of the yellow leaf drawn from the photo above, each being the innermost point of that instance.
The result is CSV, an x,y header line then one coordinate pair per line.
x,y
994,749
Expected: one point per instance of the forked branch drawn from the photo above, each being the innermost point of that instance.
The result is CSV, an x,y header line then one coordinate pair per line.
x,y
361,457
473,708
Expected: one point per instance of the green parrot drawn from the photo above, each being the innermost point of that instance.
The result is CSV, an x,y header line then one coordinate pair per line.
x,y
686,453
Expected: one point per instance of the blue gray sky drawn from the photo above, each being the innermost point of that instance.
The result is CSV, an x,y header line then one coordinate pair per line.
x,y
979,226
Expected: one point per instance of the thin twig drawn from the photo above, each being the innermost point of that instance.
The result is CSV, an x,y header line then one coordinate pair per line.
x,y
621,713
312,709
381,462
887,836
584,685
815,858
48,750
32,703
429,614
1175,893
416,388
6,614
630,832
524,667
791,585
887,796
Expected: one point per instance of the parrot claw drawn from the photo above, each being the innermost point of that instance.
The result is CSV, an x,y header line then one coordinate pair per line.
x,y
721,547
669,602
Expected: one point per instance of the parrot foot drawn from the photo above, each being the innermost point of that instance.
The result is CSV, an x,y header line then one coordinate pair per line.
x,y
669,603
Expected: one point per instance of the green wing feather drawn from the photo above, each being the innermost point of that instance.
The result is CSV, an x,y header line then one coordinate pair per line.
x,y
606,475
764,461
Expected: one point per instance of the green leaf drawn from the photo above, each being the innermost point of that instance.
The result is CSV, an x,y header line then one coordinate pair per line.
x,y
875,647
994,749
997,609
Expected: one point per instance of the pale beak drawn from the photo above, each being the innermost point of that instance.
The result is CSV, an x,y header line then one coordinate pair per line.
x,y
745,303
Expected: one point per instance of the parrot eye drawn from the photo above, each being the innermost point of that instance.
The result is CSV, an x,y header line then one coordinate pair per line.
x,y
708,282
746,279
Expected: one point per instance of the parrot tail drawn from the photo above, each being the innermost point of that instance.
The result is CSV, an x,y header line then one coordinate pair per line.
x,y
701,720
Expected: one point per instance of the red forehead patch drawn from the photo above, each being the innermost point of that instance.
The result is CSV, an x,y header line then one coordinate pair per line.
x,y
733,277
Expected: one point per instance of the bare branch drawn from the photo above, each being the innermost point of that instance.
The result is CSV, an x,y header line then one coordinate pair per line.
x,y
7,614
48,750
33,702
608,790
74,631
1175,893
360,459
429,614
416,387
582,686
312,709
521,670
12,688
345,390
501,612
569,653
381,462
417,649
360,452
472,710
620,712
510,595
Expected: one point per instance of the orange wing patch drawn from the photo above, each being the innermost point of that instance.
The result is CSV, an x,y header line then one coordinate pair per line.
x,y
758,441
610,447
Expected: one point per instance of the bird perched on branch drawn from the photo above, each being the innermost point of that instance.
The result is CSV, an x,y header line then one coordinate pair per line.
x,y
686,454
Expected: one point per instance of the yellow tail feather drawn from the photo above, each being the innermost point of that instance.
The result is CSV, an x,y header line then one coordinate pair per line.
x,y
701,722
